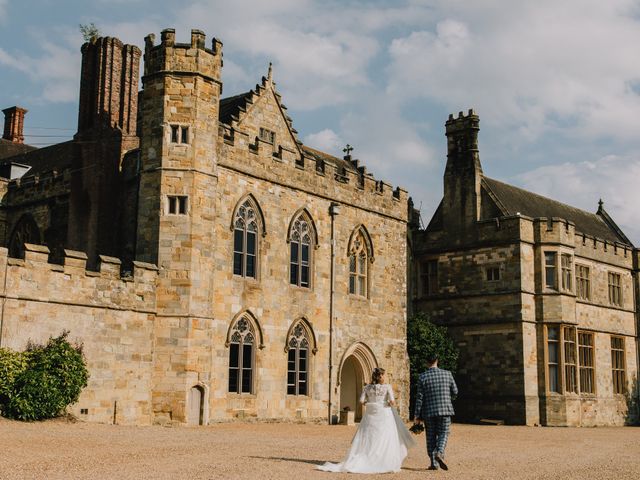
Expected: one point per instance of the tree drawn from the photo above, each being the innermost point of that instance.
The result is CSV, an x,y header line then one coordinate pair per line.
x,y
89,32
423,339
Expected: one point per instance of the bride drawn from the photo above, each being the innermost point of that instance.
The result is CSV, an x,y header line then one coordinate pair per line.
x,y
381,442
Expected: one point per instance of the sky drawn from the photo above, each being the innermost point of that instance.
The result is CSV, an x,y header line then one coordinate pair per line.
x,y
556,84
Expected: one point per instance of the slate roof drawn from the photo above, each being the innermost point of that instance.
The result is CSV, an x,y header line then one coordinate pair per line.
x,y
54,157
231,106
512,200
10,149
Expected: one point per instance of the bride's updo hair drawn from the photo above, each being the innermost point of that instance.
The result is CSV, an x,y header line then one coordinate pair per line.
x,y
376,376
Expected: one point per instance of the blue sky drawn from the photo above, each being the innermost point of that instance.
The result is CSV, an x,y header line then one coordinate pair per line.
x,y
556,84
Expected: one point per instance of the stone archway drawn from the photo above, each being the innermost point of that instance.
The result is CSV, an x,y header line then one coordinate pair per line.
x,y
356,367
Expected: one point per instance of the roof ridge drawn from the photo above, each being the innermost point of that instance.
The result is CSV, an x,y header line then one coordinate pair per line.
x,y
542,196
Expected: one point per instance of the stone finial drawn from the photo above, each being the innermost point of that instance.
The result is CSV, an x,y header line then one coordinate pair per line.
x,y
600,204
270,73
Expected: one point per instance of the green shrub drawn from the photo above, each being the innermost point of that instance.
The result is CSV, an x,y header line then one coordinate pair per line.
x,y
423,339
52,379
12,364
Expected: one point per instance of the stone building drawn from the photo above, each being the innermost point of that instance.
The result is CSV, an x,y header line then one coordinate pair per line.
x,y
229,271
539,296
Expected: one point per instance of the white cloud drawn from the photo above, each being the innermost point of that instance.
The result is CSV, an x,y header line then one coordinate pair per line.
x,y
535,66
326,140
582,184
56,71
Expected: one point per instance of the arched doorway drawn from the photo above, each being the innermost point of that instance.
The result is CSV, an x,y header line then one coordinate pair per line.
x,y
355,370
196,406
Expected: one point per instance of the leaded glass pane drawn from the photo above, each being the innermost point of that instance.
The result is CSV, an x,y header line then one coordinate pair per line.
x,y
233,355
251,266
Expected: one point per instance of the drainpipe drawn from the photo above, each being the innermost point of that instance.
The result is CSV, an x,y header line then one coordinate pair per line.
x,y
636,299
334,210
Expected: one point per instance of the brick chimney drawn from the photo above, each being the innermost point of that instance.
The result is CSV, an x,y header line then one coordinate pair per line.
x,y
14,124
109,86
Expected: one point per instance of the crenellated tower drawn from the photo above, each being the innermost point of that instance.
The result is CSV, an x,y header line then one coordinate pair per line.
x,y
176,208
463,173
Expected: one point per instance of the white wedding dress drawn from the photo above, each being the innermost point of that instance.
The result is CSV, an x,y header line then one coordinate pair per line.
x,y
381,441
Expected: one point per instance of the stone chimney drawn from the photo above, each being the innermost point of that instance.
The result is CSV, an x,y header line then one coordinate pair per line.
x,y
14,124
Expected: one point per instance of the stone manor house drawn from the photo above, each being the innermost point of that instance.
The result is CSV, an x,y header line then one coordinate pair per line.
x,y
217,268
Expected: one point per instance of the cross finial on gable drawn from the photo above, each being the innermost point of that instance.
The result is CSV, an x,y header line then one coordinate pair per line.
x,y
600,204
347,150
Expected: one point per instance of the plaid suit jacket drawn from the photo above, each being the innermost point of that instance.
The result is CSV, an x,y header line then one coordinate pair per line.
x,y
435,389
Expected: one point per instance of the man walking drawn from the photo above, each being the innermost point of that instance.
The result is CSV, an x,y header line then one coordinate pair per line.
x,y
435,389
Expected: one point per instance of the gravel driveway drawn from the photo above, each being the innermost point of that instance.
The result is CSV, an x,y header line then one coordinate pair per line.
x,y
61,450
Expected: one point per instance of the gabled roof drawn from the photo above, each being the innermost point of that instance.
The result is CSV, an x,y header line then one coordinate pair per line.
x,y
232,106
513,200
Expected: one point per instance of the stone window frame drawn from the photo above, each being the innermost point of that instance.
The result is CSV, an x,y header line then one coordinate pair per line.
x,y
615,288
583,281
550,269
566,272
179,134
267,135
429,277
587,363
303,215
300,336
177,205
618,365
493,273
360,257
25,230
566,363
243,325
260,233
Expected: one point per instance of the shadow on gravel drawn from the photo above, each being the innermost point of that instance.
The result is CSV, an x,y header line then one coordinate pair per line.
x,y
285,459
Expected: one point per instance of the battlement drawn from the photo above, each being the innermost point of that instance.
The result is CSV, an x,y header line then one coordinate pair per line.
x,y
462,132
172,57
561,231
75,263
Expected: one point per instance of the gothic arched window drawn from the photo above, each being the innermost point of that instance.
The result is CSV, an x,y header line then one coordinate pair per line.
x,y
302,237
300,343
360,255
25,231
242,344
247,225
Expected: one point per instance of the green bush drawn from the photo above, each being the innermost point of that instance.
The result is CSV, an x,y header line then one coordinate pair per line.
x,y
51,379
423,339
12,364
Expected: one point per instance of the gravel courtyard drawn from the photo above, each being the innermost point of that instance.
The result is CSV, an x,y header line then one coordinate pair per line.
x,y
60,450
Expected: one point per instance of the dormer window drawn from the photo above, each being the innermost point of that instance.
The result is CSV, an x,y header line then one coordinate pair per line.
x,y
179,134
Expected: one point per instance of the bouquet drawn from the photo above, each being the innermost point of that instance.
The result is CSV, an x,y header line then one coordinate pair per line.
x,y
417,428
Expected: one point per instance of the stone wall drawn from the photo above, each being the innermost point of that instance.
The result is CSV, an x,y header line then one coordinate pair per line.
x,y
111,316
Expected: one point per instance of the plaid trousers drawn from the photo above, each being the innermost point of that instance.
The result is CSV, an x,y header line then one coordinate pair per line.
x,y
437,436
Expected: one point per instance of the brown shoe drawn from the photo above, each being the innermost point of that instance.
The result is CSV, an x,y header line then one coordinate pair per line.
x,y
440,461
432,467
